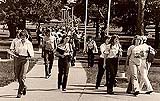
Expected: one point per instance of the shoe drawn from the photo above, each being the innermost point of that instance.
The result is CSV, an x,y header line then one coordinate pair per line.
x,y
149,92
129,92
47,76
63,89
19,96
24,91
110,92
59,86
136,93
96,87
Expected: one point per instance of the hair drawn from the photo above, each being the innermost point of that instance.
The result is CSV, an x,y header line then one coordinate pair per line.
x,y
23,33
89,37
137,37
63,37
105,38
112,39
133,40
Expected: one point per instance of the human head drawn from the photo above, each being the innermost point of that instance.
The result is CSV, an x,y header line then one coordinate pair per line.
x,y
137,40
114,39
47,32
65,39
107,39
144,39
23,34
89,38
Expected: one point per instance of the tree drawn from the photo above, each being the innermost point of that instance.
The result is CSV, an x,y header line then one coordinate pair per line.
x,y
140,20
18,11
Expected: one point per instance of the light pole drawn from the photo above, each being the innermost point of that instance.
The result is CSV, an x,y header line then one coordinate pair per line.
x,y
85,23
109,9
72,4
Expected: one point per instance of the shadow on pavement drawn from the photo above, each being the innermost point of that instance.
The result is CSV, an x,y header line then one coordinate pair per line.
x,y
40,89
82,85
35,77
7,96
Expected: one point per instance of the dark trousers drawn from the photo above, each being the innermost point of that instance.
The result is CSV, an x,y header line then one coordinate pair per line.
x,y
112,65
90,58
21,71
48,61
100,72
63,69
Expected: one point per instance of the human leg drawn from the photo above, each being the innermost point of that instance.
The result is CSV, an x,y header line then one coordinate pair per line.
x,y
144,72
100,72
65,73
51,58
60,72
24,64
134,77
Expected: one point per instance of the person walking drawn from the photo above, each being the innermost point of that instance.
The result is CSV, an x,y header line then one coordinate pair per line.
x,y
91,49
135,42
113,51
64,50
101,68
135,62
49,45
145,66
24,51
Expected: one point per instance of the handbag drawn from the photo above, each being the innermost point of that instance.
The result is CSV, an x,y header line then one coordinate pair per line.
x,y
150,57
60,51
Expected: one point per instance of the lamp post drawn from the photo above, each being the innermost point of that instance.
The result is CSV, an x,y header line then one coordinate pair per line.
x,y
109,9
72,4
85,23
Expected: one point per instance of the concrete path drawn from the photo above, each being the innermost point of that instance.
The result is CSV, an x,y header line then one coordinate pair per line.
x,y
41,89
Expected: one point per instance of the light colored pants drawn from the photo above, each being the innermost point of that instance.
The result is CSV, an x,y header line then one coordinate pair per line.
x,y
144,78
134,76
21,71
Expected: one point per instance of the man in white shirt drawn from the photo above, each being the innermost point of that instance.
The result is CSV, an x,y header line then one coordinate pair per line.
x,y
24,51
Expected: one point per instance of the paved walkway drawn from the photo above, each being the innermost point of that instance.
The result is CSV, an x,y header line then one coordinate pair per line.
x,y
41,89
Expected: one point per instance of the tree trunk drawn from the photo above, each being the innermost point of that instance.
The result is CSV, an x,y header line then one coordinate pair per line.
x,y
140,20
157,36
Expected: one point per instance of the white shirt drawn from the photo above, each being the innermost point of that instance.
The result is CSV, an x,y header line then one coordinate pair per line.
x,y
113,51
49,42
136,56
67,48
91,45
145,49
13,44
24,49
102,49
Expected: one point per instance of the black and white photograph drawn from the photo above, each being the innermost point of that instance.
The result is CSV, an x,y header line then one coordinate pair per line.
x,y
79,50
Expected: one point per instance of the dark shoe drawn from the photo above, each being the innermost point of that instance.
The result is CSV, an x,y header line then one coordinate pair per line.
x,y
129,92
110,92
19,96
63,89
96,87
136,93
59,86
47,76
149,92
24,90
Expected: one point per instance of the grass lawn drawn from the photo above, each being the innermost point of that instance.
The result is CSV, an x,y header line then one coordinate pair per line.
x,y
154,77
7,74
